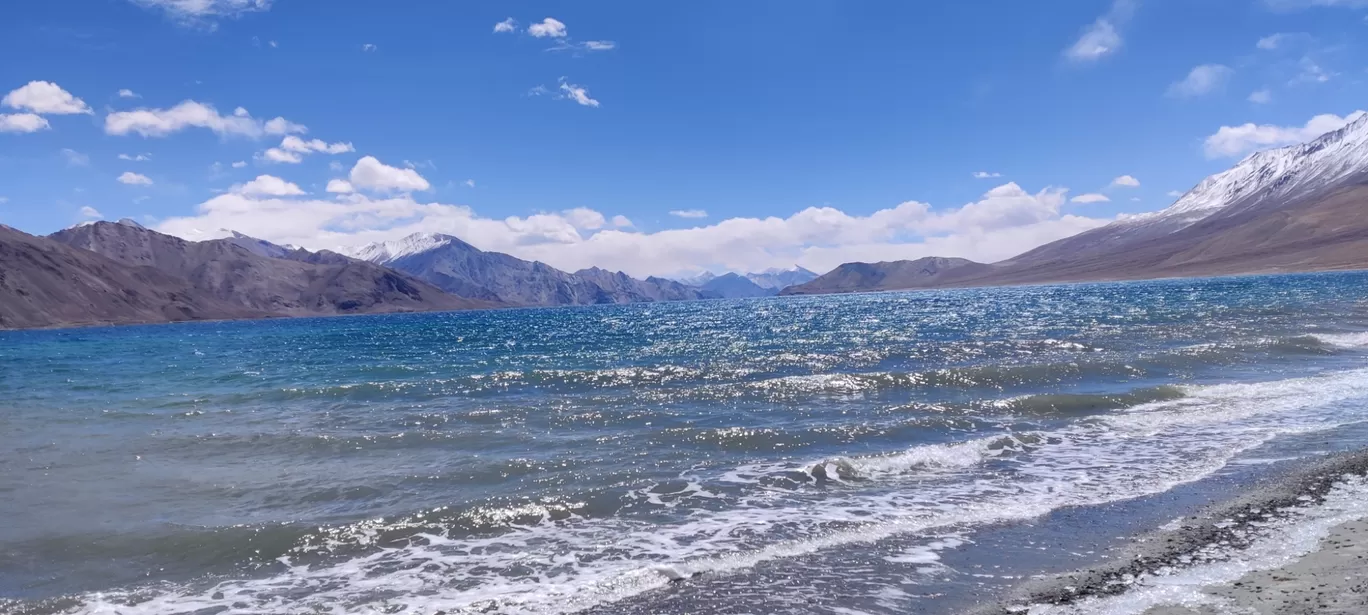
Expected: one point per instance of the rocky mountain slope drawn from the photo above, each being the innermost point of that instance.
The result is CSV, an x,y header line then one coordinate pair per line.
x,y
1296,208
45,283
735,286
460,268
293,283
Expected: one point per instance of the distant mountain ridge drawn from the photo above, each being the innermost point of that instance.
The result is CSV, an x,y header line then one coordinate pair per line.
x,y
1295,208
289,283
460,268
736,286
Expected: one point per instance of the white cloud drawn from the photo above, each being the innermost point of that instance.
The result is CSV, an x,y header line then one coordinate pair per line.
x,y
1272,41
134,179
46,98
279,155
1102,38
1201,80
239,164
600,45
577,93
1174,194
371,174
191,114
1090,198
135,157
1261,97
335,166
507,25
75,158
1310,72
689,213
469,183
340,186
1125,181
547,28
266,185
1005,222
22,122
127,93
1245,138
273,44
90,213
368,47
293,149
986,175
204,11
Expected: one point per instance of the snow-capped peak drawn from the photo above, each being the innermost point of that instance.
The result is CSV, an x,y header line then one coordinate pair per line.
x,y
1284,174
131,223
389,251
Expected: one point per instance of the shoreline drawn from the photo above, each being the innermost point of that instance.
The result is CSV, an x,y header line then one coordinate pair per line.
x,y
1311,581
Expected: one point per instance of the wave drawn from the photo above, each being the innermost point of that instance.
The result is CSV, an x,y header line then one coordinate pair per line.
x,y
575,562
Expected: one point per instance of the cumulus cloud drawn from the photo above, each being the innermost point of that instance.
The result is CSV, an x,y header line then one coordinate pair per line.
x,y
135,157
1174,194
90,213
134,179
75,158
505,26
371,174
1103,37
340,186
1239,140
1201,80
1261,97
1004,222
239,164
23,122
576,93
1091,197
127,93
986,175
266,185
368,47
293,149
275,154
547,28
46,98
689,213
1125,181
192,114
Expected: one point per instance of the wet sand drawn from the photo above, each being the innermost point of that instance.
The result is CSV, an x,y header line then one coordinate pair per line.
x,y
1331,580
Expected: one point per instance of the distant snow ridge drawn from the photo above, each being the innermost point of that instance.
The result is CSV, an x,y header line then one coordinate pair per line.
x,y
1285,173
389,251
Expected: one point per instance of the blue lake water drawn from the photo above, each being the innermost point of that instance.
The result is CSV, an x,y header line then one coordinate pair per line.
x,y
570,459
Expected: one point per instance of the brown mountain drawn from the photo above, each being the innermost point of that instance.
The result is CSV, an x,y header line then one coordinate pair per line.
x,y
45,283
1298,208
300,283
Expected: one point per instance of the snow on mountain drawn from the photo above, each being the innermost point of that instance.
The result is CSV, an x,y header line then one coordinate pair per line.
x,y
389,251
1284,174
778,279
130,222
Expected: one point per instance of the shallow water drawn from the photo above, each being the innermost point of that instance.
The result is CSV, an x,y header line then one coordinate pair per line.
x,y
838,449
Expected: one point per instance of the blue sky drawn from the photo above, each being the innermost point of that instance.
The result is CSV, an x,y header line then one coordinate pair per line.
x,y
807,132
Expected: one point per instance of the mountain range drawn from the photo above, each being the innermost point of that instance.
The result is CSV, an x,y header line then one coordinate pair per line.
x,y
738,286
462,269
120,272
1296,208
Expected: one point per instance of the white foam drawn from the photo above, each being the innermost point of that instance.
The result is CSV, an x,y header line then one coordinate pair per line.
x,y
1344,340
1278,545
570,565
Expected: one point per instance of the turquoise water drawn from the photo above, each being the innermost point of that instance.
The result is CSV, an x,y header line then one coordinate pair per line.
x,y
557,460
